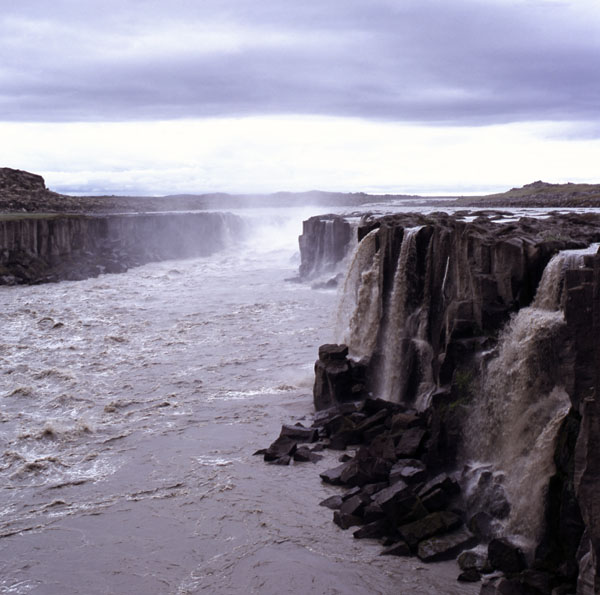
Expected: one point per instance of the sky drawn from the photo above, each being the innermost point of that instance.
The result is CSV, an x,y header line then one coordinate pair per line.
x,y
398,96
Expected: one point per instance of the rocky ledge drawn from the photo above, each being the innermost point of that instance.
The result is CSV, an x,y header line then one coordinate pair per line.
x,y
482,339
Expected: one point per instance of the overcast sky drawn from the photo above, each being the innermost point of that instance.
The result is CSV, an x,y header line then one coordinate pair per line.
x,y
430,96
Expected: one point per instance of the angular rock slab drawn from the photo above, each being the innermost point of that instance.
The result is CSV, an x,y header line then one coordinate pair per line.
x,y
446,547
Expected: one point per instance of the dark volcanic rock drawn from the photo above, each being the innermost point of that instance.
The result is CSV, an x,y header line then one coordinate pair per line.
x,y
345,521
299,433
337,378
333,502
462,281
409,470
410,442
432,524
445,547
334,475
323,244
283,446
39,249
505,556
373,530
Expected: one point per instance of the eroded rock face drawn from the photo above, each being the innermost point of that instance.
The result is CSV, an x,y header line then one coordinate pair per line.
x,y
18,182
337,378
37,249
458,285
323,244
446,289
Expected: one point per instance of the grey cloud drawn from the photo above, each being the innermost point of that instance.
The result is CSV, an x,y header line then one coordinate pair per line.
x,y
461,62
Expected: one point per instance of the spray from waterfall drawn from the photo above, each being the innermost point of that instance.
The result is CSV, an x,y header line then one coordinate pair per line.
x,y
513,425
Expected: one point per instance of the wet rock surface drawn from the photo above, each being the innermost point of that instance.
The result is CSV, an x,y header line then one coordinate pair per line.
x,y
383,502
465,282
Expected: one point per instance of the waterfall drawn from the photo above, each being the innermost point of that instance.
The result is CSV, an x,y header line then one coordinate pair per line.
x,y
359,309
514,423
403,348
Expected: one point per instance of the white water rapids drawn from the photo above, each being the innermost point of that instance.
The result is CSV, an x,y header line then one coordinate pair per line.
x,y
130,408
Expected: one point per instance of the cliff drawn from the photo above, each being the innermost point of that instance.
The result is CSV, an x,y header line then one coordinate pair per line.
x,y
487,334
324,243
36,249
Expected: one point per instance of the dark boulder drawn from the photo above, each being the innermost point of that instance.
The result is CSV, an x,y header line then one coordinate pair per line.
x,y
337,378
282,447
410,442
373,530
333,502
505,556
299,433
345,521
433,524
354,505
409,470
445,547
473,559
334,475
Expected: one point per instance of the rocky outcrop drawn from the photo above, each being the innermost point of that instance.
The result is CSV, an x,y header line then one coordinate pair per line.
x,y
447,286
480,331
582,313
337,378
324,243
36,249
15,182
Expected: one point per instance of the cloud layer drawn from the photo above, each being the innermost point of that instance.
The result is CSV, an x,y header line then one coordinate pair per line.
x,y
428,61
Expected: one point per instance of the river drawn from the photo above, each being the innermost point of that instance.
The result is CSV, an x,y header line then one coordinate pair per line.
x,y
131,406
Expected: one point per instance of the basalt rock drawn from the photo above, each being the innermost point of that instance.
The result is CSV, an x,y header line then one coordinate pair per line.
x,y
338,379
450,286
43,248
324,242
505,556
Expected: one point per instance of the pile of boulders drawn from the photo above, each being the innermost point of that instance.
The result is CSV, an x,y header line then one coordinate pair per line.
x,y
400,486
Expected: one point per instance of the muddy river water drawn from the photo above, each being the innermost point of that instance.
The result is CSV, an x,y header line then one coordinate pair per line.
x,y
130,406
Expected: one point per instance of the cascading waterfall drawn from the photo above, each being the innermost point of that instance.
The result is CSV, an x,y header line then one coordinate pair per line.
x,y
405,351
402,337
514,424
359,309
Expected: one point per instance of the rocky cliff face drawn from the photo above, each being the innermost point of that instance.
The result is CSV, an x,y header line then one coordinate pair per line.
x,y
37,249
324,243
17,182
489,330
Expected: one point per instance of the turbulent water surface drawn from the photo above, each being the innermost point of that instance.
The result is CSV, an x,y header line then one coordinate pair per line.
x,y
130,408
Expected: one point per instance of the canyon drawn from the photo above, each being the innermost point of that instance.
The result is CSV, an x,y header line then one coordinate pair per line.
x,y
464,379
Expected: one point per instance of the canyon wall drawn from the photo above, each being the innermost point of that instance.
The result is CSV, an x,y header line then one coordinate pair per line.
x,y
490,330
35,249
324,243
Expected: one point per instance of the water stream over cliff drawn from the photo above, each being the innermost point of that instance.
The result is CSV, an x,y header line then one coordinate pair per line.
x,y
522,401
